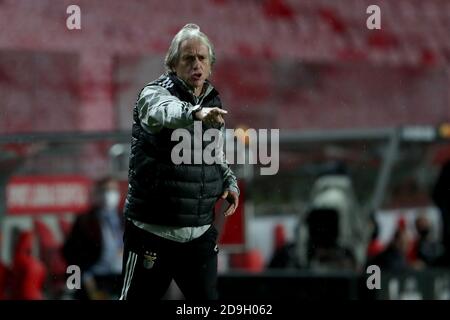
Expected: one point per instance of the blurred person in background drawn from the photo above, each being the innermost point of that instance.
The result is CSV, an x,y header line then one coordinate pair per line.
x,y
95,243
441,197
425,250
284,253
395,256
375,246
169,210
28,273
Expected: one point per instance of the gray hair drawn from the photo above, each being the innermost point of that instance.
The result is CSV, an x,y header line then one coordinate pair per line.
x,y
189,31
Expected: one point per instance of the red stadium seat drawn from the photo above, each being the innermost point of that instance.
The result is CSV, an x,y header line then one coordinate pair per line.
x,y
251,261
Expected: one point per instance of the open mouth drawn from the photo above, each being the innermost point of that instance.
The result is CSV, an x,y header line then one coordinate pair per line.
x,y
196,76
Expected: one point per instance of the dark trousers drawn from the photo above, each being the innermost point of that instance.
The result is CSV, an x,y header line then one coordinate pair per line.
x,y
152,262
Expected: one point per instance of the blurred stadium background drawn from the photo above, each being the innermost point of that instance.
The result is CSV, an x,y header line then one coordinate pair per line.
x,y
363,133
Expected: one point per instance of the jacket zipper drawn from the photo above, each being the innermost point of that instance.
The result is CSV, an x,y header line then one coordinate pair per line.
x,y
202,185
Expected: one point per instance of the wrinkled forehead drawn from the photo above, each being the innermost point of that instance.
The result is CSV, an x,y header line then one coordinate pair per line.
x,y
193,46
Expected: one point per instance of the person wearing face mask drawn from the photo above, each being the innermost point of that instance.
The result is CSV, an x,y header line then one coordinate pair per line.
x,y
95,243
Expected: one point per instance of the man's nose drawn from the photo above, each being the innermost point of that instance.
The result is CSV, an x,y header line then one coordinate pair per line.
x,y
196,63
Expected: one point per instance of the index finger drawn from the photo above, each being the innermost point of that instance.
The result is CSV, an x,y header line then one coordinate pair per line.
x,y
230,210
218,110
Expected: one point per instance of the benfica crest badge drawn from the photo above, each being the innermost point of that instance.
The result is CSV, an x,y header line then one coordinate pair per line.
x,y
149,259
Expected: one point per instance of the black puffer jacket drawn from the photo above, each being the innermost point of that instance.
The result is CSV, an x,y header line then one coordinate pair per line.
x,y
161,192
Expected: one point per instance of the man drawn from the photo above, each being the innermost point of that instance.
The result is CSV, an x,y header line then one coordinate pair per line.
x,y
169,232
95,243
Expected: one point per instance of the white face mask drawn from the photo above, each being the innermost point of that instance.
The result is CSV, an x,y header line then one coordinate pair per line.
x,y
111,199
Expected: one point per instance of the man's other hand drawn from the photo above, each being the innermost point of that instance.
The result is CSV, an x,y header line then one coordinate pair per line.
x,y
233,199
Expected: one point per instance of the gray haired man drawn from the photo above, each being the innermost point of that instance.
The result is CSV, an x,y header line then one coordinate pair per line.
x,y
169,210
